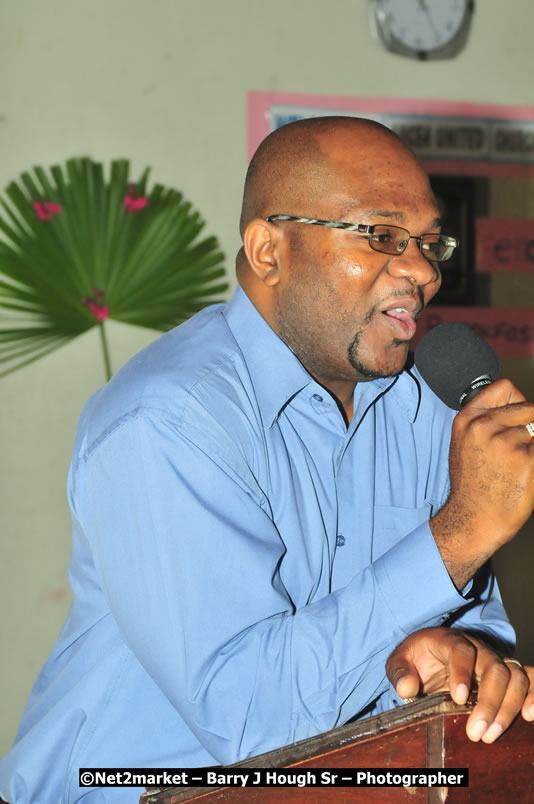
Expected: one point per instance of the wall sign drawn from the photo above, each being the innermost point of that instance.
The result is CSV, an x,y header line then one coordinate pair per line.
x,y
505,244
448,136
509,331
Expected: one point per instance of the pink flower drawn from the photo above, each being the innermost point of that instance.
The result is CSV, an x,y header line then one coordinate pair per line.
x,y
45,209
132,202
96,306
100,311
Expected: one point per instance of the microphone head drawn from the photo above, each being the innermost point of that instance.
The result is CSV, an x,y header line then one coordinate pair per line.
x,y
456,363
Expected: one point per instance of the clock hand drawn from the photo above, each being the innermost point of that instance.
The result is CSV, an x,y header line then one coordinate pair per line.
x,y
424,6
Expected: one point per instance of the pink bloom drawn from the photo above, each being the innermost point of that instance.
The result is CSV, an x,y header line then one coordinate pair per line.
x,y
45,209
95,305
132,202
100,311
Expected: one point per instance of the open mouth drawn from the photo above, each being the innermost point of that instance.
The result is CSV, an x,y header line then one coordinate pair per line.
x,y
402,322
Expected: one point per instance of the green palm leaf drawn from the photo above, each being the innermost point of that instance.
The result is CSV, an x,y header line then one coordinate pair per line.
x,y
76,249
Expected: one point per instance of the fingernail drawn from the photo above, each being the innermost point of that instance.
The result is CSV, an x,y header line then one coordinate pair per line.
x,y
399,676
530,713
398,686
476,731
462,693
492,733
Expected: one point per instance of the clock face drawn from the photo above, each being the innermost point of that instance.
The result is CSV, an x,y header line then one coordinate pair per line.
x,y
422,28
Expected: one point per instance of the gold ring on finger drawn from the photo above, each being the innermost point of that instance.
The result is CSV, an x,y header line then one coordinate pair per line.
x,y
514,661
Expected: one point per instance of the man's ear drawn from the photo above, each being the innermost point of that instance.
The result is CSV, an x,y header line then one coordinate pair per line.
x,y
260,241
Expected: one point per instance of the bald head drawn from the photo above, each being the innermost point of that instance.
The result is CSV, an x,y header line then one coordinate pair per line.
x,y
301,162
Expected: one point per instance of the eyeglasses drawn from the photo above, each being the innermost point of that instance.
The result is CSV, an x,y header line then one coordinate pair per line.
x,y
388,239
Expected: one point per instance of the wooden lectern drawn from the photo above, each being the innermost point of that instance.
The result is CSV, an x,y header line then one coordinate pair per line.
x,y
429,733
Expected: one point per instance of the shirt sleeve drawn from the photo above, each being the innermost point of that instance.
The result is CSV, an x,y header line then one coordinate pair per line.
x,y
188,559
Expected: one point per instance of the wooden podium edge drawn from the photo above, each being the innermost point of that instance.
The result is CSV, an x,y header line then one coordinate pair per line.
x,y
424,709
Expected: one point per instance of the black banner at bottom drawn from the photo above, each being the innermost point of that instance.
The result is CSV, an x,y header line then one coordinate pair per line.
x,y
274,777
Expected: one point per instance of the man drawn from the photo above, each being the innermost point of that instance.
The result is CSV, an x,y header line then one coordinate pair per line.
x,y
267,538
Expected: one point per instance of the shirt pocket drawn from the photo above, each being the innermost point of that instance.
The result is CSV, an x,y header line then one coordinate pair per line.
x,y
392,523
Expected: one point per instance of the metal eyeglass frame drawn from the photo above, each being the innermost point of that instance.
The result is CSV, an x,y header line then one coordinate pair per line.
x,y
363,228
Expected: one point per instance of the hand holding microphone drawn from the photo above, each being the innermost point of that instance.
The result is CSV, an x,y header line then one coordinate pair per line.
x,y
491,465
491,459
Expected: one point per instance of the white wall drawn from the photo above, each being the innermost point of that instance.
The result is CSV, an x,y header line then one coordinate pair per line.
x,y
164,83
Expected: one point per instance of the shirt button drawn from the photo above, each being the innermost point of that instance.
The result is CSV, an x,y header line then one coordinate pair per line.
x,y
340,541
317,397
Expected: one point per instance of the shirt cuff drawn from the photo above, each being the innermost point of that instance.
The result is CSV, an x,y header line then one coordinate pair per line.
x,y
415,583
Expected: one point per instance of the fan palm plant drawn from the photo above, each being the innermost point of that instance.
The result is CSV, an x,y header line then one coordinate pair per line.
x,y
76,250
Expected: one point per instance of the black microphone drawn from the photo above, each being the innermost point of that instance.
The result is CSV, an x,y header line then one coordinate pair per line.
x,y
456,363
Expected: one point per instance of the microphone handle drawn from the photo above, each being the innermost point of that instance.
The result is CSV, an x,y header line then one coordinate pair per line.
x,y
473,388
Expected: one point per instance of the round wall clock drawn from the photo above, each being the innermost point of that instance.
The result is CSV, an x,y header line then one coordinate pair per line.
x,y
422,29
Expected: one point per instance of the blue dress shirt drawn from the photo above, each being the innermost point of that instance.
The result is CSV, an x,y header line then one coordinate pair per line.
x,y
243,564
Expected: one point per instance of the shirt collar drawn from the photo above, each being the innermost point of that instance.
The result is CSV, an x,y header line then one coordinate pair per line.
x,y
403,390
277,374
